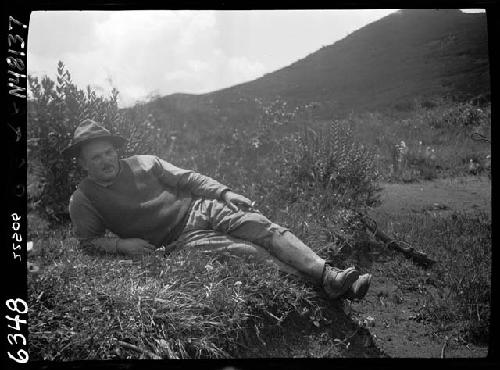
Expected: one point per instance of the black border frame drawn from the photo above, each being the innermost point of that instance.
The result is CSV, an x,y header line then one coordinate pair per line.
x,y
15,198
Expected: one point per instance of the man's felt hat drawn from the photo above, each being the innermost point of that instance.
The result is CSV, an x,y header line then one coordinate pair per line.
x,y
89,130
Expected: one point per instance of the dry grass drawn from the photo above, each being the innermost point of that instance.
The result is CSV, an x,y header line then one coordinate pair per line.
x,y
186,305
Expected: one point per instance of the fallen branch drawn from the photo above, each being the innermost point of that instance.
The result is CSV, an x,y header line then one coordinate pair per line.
x,y
150,354
476,136
408,251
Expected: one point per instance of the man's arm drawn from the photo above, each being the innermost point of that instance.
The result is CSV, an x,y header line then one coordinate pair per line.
x,y
88,225
90,230
197,183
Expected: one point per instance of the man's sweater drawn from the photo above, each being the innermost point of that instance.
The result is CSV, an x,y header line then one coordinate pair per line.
x,y
149,199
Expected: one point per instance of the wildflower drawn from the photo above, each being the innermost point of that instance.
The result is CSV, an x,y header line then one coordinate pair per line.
x,y
474,167
402,148
255,142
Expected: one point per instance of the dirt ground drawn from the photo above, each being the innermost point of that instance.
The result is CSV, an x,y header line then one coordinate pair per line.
x,y
441,195
395,329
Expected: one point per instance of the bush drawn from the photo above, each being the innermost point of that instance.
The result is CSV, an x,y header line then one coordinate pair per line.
x,y
55,109
330,162
456,116
453,129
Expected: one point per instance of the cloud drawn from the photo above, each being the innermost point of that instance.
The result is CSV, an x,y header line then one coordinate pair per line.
x,y
137,52
243,67
57,33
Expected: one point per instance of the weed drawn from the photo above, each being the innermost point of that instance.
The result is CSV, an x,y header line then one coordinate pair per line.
x,y
444,127
329,161
462,246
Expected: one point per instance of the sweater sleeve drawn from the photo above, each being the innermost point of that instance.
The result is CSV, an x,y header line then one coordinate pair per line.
x,y
195,182
88,225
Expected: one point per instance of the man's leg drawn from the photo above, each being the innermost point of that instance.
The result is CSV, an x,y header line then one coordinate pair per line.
x,y
257,229
278,241
293,251
214,242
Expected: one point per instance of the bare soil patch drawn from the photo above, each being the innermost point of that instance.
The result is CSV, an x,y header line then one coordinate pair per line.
x,y
439,196
398,330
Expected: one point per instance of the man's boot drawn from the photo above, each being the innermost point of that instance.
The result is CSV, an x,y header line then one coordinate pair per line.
x,y
290,250
336,282
360,287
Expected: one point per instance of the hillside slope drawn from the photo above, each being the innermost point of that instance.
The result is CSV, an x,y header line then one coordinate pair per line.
x,y
406,55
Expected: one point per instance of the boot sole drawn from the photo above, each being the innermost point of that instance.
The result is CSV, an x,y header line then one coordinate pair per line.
x,y
363,289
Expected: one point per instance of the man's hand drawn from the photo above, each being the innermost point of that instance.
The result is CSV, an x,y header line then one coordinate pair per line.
x,y
234,200
134,247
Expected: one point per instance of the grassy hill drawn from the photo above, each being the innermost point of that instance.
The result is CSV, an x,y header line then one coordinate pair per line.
x,y
409,54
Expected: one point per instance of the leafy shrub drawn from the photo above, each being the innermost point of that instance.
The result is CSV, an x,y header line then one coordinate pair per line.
x,y
458,115
55,109
329,161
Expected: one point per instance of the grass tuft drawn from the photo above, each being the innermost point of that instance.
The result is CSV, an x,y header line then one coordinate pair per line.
x,y
460,298
186,305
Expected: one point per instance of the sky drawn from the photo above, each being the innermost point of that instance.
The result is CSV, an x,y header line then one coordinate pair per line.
x,y
148,53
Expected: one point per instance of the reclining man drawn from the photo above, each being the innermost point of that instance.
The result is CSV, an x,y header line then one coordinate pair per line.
x,y
149,203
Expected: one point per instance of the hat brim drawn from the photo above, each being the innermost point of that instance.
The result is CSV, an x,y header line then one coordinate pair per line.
x,y
73,150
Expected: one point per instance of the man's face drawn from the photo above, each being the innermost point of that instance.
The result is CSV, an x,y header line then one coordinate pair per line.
x,y
100,159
